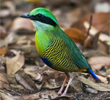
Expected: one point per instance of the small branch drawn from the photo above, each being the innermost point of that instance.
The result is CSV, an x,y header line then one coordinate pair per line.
x,y
88,38
95,37
90,24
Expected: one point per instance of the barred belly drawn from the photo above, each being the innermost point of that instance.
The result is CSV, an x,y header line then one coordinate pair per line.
x,y
58,56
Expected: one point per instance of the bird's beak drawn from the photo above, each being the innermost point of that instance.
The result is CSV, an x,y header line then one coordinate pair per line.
x,y
25,16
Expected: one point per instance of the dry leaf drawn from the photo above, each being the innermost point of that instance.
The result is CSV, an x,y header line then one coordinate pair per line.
x,y
99,19
43,95
12,79
102,78
93,53
11,38
22,40
5,13
21,23
76,35
6,97
25,40
108,71
77,86
3,51
51,84
4,82
94,31
2,68
23,82
17,86
15,63
101,6
104,85
3,32
93,84
99,24
27,79
99,62
9,5
29,50
91,90
34,73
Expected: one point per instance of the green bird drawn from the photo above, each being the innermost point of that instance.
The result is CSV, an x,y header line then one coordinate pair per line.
x,y
55,48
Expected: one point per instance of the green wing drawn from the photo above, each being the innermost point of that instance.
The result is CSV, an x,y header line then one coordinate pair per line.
x,y
79,59
59,55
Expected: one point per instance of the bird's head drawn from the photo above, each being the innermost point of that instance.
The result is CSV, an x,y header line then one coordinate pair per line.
x,y
42,19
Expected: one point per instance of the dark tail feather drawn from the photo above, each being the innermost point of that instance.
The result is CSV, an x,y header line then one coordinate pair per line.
x,y
93,74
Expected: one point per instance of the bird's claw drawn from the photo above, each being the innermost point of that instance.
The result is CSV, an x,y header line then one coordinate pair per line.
x,y
63,94
59,93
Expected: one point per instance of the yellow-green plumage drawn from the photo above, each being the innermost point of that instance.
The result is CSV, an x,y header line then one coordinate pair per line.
x,y
55,48
56,51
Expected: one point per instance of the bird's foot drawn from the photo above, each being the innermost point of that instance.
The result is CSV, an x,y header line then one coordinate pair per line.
x,y
59,93
63,94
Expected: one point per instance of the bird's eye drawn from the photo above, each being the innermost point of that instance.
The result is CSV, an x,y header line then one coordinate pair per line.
x,y
39,15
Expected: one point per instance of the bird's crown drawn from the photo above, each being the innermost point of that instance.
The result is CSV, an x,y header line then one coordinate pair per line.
x,y
42,12
42,15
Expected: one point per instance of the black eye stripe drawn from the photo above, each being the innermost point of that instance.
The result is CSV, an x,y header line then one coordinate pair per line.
x,y
43,19
40,15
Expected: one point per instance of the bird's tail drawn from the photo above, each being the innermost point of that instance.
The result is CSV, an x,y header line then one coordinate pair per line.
x,y
93,74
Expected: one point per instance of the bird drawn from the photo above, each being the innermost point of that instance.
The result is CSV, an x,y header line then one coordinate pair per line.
x,y
55,47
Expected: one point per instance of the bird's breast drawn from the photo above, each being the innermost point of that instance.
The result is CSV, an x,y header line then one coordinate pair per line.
x,y
42,41
55,53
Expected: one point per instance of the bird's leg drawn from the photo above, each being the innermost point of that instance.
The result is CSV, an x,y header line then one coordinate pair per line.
x,y
61,89
70,79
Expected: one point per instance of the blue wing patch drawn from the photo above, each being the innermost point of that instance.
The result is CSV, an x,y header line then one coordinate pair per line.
x,y
46,62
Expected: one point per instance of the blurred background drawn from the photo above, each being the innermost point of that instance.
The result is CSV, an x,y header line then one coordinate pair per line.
x,y
86,22
82,15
